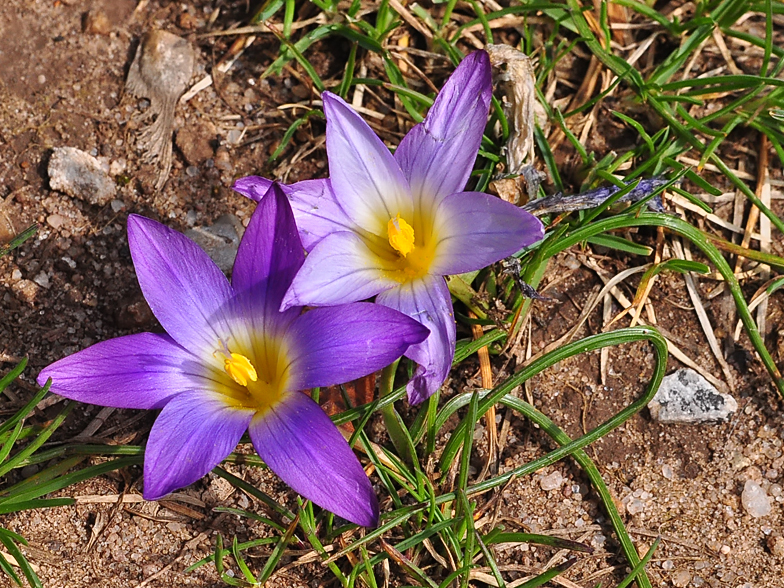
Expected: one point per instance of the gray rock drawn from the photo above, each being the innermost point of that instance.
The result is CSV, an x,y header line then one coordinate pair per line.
x,y
80,175
220,241
686,397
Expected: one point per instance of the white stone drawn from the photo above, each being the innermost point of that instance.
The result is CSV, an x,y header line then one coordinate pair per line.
x,y
686,397
755,500
551,481
80,175
42,280
635,506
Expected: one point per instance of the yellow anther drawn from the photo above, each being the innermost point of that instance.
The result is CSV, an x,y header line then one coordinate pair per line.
x,y
401,235
240,369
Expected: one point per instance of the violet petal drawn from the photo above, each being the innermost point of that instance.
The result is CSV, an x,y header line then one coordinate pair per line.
x,y
366,179
476,229
342,343
269,257
340,269
299,442
437,155
186,291
194,432
135,371
316,210
429,302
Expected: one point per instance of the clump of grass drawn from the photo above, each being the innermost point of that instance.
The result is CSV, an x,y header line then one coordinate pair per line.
x,y
21,445
678,145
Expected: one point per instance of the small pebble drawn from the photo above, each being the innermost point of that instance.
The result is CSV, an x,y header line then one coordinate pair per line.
x,y
739,461
776,546
96,22
42,279
635,506
222,160
681,578
195,142
220,241
30,470
26,290
118,166
551,481
55,221
755,500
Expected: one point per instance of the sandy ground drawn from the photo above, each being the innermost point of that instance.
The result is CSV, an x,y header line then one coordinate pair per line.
x,y
61,84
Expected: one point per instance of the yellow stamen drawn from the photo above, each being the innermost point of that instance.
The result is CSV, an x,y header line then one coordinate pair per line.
x,y
401,235
240,369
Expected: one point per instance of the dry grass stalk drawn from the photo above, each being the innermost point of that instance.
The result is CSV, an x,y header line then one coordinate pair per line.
x,y
410,19
763,192
513,71
486,374
657,257
673,349
702,316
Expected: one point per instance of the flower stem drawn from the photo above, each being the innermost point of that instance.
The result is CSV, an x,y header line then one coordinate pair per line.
x,y
397,431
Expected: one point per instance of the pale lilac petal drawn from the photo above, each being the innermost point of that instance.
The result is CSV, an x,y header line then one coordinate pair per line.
x,y
476,229
268,258
315,208
186,291
194,432
136,371
366,179
437,155
428,301
253,187
300,444
340,269
342,343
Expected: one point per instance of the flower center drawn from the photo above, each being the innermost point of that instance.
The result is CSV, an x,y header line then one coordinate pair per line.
x,y
401,235
259,386
240,369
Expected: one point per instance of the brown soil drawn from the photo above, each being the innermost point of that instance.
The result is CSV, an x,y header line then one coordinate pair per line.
x,y
62,75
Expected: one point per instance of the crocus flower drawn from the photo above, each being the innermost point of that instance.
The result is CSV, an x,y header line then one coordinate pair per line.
x,y
230,361
394,226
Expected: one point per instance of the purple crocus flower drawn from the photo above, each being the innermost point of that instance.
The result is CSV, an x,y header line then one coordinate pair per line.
x,y
394,226
230,361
